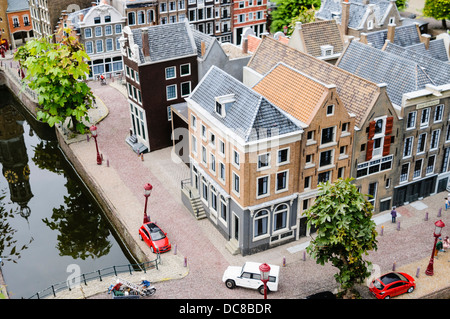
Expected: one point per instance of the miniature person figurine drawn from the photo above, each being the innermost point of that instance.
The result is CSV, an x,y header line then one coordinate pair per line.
x,y
447,202
393,214
446,243
439,246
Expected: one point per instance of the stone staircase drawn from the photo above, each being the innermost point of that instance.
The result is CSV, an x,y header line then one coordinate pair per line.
x,y
194,198
233,246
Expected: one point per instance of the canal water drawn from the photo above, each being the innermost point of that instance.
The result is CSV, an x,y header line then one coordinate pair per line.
x,y
50,225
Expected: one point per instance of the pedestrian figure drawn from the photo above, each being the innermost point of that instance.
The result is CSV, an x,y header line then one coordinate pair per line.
x,y
446,243
439,247
447,202
393,214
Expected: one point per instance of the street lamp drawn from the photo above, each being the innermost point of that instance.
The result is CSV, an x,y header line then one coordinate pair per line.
x,y
264,270
147,191
437,232
93,130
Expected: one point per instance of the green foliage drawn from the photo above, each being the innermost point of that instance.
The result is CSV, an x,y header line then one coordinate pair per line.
x,y
438,9
345,232
56,71
289,9
306,16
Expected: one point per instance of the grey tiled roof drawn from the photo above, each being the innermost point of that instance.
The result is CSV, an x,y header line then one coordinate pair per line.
x,y
17,5
400,74
199,37
250,117
167,41
329,8
435,50
405,35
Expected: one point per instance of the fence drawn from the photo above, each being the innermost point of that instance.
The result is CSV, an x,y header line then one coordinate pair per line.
x,y
99,274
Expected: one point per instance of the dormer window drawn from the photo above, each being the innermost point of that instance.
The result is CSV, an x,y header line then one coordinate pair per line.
x,y
327,50
223,103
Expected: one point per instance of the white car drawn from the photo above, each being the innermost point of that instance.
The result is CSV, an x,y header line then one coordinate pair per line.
x,y
249,276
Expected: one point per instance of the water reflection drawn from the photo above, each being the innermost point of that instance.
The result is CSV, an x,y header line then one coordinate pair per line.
x,y
47,218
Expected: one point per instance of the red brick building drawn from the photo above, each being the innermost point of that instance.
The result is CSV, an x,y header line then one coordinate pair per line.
x,y
249,13
19,22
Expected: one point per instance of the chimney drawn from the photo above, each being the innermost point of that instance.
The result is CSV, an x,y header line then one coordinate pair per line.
x,y
81,17
203,48
94,4
391,32
145,42
345,13
363,38
425,39
245,45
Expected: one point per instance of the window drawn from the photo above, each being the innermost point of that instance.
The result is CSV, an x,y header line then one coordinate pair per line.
x,y
326,158
262,185
280,217
185,88
131,18
109,45
88,33
327,135
236,183
89,48
97,20
438,113
408,146
193,121
185,69
204,189
421,142
212,139
118,28
425,117
221,171
107,19
203,132
411,121
370,25
323,177
212,164
221,148
98,31
404,172
282,181
194,144
307,182
417,168
430,164
261,220
150,16
108,30
163,7
141,17
373,193
283,156
171,92
241,4
170,73
99,45
241,18
223,208
204,155
434,139
263,161
236,158
330,110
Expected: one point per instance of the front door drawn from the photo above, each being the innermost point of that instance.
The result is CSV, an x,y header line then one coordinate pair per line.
x,y
235,227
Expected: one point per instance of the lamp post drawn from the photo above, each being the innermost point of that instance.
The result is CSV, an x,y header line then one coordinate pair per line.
x,y
93,130
437,232
147,191
264,270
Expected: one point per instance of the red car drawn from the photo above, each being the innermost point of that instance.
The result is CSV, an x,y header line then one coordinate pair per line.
x,y
392,284
154,237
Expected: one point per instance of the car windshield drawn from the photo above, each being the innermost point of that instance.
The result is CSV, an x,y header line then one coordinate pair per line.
x,y
155,232
378,284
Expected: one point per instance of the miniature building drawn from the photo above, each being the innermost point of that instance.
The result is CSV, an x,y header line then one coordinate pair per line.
x,y
19,22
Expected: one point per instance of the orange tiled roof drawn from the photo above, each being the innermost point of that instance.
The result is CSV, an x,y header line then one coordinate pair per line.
x,y
293,92
357,94
253,42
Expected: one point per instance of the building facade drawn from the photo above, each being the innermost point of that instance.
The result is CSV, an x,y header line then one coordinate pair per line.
x,y
249,13
98,28
19,21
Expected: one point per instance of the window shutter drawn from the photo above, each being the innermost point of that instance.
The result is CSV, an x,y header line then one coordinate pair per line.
x,y
371,130
387,145
389,125
369,150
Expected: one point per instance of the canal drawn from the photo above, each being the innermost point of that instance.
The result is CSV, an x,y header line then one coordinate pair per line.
x,y
49,222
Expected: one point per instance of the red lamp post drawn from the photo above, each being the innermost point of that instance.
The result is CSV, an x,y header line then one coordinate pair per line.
x,y
264,270
93,130
437,232
148,190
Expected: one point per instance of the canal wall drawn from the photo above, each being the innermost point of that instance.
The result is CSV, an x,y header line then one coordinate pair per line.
x,y
10,78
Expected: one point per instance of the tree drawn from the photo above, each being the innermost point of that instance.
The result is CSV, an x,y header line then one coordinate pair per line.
x,y
289,9
345,232
438,9
306,16
56,71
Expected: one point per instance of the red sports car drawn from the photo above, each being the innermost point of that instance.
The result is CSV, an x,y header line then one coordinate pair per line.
x,y
392,284
154,237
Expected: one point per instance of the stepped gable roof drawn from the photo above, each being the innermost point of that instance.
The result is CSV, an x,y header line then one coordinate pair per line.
x,y
355,92
250,116
400,74
167,41
293,91
321,33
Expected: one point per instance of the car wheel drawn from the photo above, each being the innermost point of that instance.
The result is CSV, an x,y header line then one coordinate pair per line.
x,y
230,284
387,297
261,290
152,250
411,289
